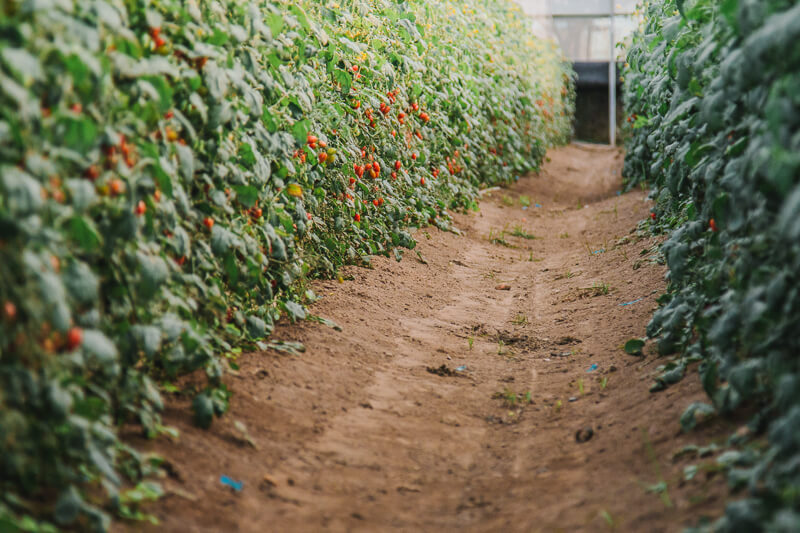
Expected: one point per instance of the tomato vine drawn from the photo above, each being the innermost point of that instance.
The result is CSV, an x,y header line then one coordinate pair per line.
x,y
712,96
172,171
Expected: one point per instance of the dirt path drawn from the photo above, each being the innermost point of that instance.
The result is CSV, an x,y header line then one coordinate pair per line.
x,y
357,433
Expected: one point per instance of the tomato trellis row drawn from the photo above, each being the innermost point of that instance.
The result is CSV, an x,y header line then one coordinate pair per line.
x,y
173,171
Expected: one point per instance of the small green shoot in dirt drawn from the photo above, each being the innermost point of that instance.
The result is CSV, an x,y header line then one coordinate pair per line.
x,y
603,383
520,320
470,341
507,200
597,289
244,435
564,235
496,237
519,231
500,345
557,406
580,386
569,274
530,257
660,487
608,519
511,398
525,201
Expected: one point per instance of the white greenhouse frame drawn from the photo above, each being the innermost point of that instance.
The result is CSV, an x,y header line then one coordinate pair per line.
x,y
588,9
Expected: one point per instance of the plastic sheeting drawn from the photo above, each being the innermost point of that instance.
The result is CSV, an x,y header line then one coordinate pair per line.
x,y
581,27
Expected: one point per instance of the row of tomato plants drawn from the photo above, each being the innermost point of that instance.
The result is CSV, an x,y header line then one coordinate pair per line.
x,y
712,90
172,171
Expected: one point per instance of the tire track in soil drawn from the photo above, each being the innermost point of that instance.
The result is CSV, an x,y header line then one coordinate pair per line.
x,y
356,434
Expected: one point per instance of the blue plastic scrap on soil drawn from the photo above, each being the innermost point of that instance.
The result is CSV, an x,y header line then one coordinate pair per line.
x,y
600,251
235,485
461,368
631,302
592,368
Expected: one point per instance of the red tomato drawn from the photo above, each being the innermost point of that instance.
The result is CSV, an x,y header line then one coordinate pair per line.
x,y
92,172
115,186
74,338
10,311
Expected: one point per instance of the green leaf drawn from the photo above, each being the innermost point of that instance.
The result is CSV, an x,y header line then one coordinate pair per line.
x,y
100,346
23,191
246,195
634,346
68,506
344,79
256,328
163,89
203,411
79,134
295,310
300,131
275,23
301,16
81,282
148,338
186,159
83,231
689,416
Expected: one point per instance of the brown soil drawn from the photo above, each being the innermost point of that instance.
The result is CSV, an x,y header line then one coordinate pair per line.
x,y
376,427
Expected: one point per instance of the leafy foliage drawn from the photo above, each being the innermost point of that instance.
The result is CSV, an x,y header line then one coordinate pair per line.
x,y
712,91
171,171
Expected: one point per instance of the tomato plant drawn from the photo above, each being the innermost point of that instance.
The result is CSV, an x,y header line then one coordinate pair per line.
x,y
712,94
172,171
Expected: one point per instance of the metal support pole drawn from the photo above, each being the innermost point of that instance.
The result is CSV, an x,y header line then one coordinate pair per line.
x,y
612,81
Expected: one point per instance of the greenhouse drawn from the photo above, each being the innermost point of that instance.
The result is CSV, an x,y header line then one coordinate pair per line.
x,y
370,265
